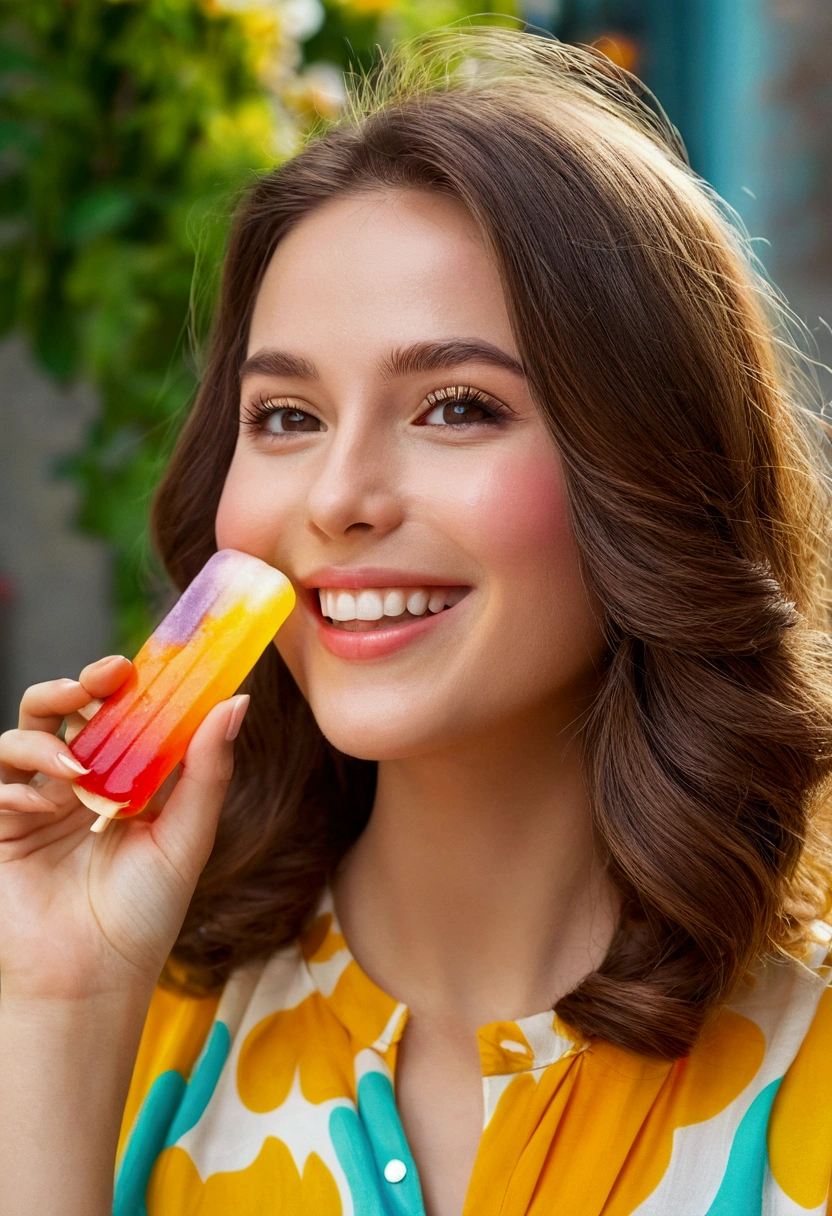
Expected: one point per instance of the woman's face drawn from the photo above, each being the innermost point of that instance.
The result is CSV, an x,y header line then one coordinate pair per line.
x,y
392,463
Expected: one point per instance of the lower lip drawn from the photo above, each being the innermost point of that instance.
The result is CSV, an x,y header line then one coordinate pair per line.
x,y
375,643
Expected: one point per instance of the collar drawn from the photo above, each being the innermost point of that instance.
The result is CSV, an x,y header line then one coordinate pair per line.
x,y
375,1020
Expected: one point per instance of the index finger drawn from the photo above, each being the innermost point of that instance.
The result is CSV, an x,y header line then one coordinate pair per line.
x,y
44,706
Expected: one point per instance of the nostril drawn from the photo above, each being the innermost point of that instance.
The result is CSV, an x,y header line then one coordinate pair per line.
x,y
359,527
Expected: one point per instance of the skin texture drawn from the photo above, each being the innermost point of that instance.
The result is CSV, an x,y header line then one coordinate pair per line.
x,y
475,893
86,923
479,506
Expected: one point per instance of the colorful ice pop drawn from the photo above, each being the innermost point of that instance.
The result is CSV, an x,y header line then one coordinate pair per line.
x,y
198,656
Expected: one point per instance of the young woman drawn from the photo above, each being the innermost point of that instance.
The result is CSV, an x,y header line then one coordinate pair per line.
x,y
516,898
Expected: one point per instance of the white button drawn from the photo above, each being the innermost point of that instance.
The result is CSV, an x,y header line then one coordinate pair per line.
x,y
395,1170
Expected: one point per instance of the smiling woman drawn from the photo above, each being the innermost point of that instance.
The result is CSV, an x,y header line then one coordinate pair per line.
x,y
516,900
525,368
380,469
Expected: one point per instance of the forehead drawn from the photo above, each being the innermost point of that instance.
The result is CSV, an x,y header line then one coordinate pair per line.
x,y
391,266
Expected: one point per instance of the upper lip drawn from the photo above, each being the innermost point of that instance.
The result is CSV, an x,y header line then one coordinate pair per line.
x,y
349,577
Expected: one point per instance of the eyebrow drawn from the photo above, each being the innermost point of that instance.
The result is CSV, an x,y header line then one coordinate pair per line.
x,y
403,361
270,362
434,356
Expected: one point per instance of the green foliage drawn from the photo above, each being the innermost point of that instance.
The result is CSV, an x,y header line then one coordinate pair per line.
x,y
354,29
127,127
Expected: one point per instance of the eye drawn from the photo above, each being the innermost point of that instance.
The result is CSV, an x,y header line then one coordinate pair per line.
x,y
461,406
275,419
282,421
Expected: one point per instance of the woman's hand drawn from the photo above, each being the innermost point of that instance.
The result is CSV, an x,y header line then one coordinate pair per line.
x,y
85,915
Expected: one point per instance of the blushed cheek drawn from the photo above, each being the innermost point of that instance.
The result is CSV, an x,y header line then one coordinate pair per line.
x,y
547,619
521,510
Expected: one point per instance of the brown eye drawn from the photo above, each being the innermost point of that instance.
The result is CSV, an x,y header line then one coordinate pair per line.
x,y
455,414
290,422
462,411
459,407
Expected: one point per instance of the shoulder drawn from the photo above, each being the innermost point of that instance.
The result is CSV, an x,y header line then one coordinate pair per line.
x,y
743,1124
799,1130
757,1097
784,1000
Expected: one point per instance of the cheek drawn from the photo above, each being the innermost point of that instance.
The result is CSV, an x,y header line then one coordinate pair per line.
x,y
542,624
251,515
520,512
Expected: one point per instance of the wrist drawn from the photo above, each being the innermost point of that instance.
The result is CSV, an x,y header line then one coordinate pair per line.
x,y
65,1068
52,1012
68,986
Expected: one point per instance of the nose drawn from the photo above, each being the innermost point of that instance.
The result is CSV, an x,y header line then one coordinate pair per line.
x,y
357,488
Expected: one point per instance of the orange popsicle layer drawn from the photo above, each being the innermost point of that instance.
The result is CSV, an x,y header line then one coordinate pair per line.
x,y
198,656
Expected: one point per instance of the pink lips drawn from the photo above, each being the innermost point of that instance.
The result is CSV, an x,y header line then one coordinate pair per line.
x,y
376,643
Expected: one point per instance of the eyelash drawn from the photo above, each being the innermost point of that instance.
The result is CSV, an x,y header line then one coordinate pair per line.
x,y
264,406
468,395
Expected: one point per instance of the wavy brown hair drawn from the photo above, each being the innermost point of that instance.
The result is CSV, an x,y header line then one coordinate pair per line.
x,y
698,497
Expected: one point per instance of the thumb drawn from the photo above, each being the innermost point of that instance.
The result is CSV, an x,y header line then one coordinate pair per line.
x,y
186,828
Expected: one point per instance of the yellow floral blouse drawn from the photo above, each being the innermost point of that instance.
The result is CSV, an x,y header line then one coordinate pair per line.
x,y
277,1099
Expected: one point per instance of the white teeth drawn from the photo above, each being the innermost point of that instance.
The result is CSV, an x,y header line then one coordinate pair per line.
x,y
394,603
369,606
417,602
343,607
371,603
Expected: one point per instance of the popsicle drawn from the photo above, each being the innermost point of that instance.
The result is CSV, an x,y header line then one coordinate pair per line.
x,y
198,656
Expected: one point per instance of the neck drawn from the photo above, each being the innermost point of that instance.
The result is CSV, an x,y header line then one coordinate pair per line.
x,y
476,891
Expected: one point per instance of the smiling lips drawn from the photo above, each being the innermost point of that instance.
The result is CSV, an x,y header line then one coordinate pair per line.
x,y
375,608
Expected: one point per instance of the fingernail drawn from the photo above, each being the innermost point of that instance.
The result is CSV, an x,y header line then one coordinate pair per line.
x,y
237,715
71,684
72,764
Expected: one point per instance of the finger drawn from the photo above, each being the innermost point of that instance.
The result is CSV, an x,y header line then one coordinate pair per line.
x,y
59,792
23,799
34,831
186,828
33,751
104,677
44,706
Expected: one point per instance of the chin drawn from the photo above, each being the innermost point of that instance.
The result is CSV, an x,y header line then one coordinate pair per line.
x,y
379,736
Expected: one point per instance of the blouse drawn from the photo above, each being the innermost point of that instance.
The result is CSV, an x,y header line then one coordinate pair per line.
x,y
277,1098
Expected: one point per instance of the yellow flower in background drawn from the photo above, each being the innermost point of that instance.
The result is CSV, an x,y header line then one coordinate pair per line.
x,y
298,19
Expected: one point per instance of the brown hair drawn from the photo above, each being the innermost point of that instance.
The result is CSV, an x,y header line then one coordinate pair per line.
x,y
698,500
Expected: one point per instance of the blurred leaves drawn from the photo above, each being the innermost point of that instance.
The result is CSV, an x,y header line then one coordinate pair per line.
x,y
127,129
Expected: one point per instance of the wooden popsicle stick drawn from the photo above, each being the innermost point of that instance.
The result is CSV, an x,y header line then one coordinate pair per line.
x,y
105,808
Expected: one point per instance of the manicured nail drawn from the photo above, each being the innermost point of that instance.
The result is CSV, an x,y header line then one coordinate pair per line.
x,y
237,715
72,764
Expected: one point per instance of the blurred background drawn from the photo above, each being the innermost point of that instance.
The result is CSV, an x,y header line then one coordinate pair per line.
x,y
127,127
